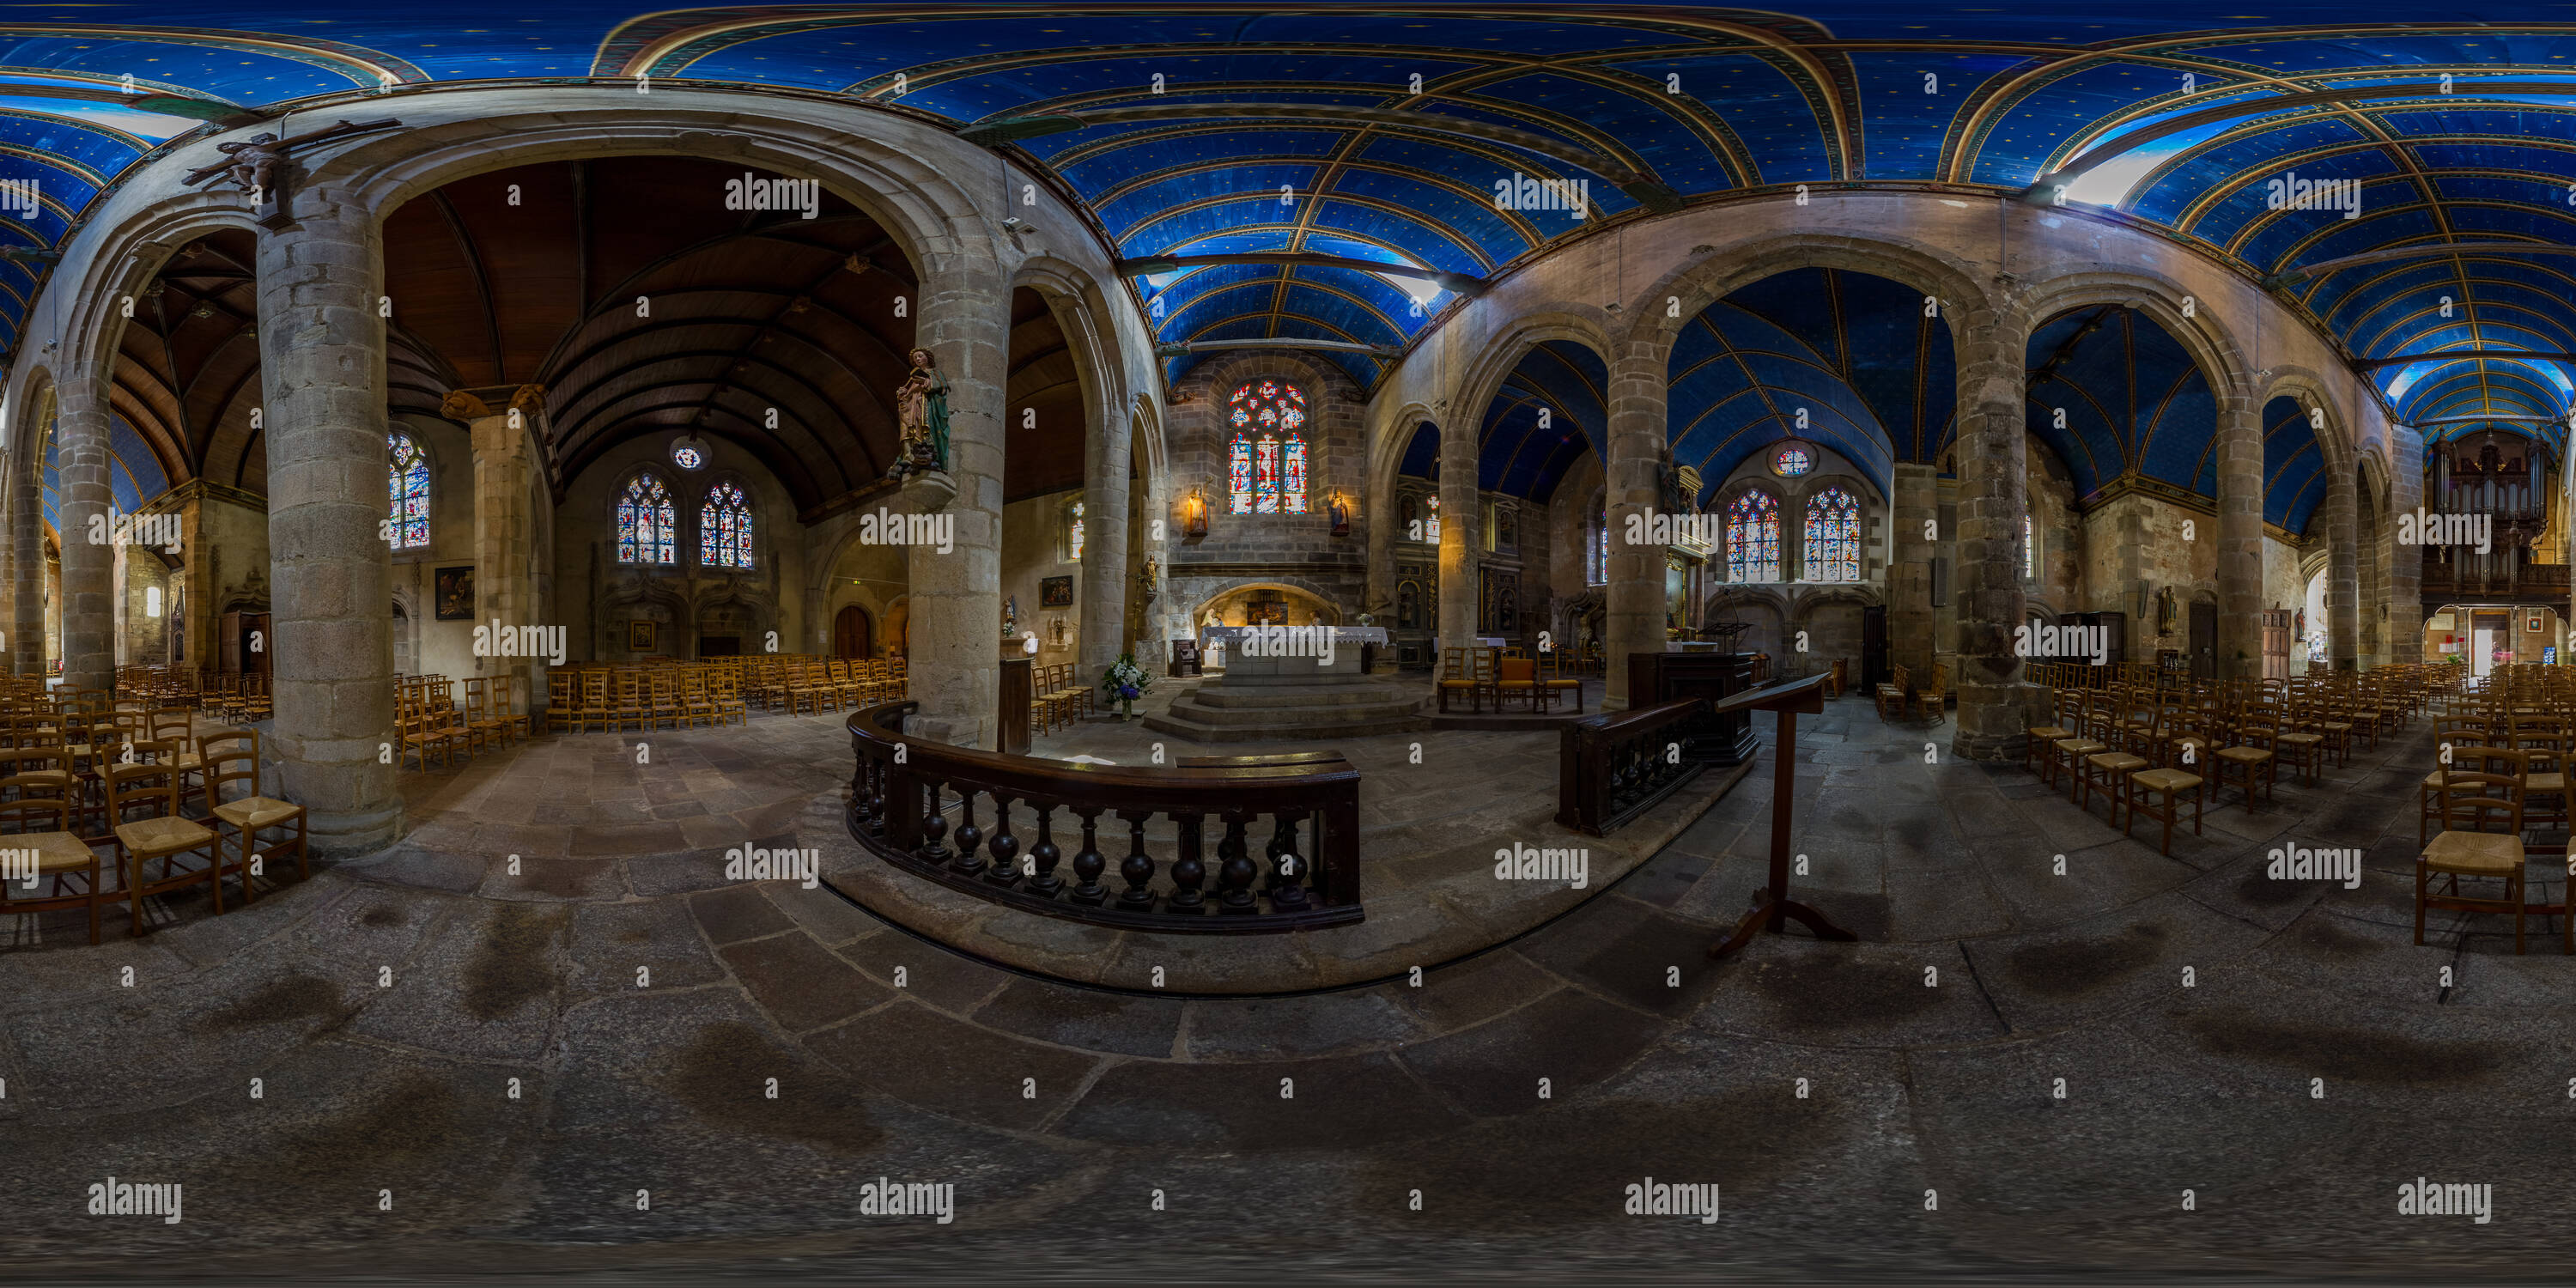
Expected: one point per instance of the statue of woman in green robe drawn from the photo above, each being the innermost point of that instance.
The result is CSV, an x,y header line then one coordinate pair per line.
x,y
921,406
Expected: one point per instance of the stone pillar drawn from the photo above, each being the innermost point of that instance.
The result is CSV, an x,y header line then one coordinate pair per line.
x,y
504,592
956,627
1105,502
89,599
1917,503
2240,537
1993,460
1458,544
322,375
1377,519
2405,579
2343,567
1634,485
27,553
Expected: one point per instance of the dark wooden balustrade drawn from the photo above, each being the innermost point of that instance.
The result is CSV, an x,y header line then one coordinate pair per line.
x,y
2523,584
1285,855
1611,768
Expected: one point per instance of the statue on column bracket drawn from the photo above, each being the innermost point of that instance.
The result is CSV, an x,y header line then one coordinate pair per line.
x,y
259,165
921,408
1148,582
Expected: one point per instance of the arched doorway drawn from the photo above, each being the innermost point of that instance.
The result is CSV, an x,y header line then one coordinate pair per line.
x,y
850,633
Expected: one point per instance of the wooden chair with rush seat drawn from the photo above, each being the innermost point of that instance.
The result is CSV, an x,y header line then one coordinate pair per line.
x,y
234,758
158,835
34,828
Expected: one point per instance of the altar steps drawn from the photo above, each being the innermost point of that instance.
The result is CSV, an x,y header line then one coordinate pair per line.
x,y
1294,711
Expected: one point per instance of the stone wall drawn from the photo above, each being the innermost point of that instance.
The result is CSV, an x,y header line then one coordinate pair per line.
x,y
1297,550
596,597
1033,550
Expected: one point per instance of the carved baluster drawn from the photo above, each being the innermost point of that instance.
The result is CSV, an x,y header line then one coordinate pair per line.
x,y
1090,863
934,827
1189,871
1236,870
1043,857
879,775
1004,847
1287,867
970,838
1138,868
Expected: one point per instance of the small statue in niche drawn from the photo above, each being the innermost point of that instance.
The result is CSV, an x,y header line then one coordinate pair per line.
x,y
921,408
1010,617
2168,612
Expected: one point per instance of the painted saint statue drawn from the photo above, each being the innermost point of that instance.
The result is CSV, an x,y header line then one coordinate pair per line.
x,y
921,408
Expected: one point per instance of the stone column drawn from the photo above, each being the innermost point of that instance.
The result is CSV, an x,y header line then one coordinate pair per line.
x,y
504,532
1458,518
1909,577
1634,485
2343,567
322,375
2240,537
2405,579
1377,519
1993,702
1105,502
956,627
89,600
27,554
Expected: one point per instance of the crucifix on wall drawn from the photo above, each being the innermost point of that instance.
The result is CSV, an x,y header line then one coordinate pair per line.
x,y
259,166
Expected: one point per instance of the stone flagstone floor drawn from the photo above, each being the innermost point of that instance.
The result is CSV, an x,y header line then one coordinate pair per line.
x,y
388,1007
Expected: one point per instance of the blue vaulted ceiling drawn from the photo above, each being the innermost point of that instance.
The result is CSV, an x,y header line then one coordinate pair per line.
x,y
1552,409
1181,126
1850,352
2294,466
2133,402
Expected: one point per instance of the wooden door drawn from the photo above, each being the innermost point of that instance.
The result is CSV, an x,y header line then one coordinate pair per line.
x,y
256,625
2204,641
228,640
2276,644
1873,648
850,636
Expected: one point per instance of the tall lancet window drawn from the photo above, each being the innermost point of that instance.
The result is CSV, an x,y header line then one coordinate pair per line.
x,y
647,522
409,471
724,528
1753,538
1833,536
1266,459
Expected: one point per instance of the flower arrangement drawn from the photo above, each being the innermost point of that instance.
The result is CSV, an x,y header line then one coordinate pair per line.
x,y
1124,681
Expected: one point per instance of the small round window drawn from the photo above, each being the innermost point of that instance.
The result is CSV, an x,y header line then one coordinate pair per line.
x,y
688,451
1791,462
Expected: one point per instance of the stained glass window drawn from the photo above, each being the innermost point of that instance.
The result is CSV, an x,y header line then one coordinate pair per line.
x,y
1791,462
1596,548
724,528
1753,538
1073,533
409,476
1266,462
1833,536
647,522
2029,553
687,457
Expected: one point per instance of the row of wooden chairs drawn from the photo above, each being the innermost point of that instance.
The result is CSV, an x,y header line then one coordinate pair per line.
x,y
1898,696
1057,697
680,695
145,822
1501,674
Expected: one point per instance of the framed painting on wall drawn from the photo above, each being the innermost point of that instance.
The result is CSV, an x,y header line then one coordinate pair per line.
x,y
1055,592
639,635
455,593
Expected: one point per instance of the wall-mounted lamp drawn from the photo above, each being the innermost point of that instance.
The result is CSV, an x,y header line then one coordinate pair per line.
x,y
1194,514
